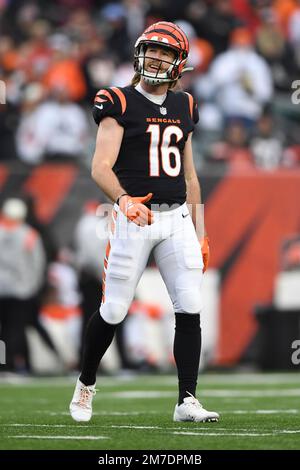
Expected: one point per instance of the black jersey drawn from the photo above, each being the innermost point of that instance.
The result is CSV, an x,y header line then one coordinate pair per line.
x,y
151,153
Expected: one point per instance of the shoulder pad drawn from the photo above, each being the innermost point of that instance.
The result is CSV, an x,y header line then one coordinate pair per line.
x,y
109,102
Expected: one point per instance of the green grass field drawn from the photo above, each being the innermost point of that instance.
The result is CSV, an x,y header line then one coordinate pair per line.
x,y
258,411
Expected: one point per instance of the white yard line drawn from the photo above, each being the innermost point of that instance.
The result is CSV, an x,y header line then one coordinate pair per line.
x,y
228,393
211,379
152,412
100,413
135,427
140,394
259,412
130,426
253,434
86,438
286,431
20,425
237,432
277,392
240,432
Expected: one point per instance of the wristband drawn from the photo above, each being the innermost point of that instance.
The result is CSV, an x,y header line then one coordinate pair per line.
x,y
118,200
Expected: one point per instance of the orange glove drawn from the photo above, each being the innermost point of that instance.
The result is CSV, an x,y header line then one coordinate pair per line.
x,y
135,210
205,252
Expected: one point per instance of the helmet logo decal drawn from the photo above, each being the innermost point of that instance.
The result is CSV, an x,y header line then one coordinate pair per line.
x,y
160,39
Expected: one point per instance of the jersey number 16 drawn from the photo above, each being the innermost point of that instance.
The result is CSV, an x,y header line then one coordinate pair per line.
x,y
160,145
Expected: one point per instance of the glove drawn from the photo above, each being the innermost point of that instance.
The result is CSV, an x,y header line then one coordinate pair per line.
x,y
205,252
135,210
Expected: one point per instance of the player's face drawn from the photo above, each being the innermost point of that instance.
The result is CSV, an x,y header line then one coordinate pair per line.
x,y
158,59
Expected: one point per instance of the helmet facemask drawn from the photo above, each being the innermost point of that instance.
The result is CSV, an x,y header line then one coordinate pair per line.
x,y
166,35
162,74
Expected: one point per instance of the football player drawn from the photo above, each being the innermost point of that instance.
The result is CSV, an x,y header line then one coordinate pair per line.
x,y
143,162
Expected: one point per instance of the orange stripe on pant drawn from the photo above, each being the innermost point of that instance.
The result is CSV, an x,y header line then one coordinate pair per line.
x,y
107,252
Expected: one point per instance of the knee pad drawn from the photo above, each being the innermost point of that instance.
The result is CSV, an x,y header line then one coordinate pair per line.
x,y
113,312
189,300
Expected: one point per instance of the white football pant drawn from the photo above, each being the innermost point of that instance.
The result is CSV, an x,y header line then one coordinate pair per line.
x,y
177,253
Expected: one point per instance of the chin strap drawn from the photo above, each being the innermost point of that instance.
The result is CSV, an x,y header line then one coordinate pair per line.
x,y
187,69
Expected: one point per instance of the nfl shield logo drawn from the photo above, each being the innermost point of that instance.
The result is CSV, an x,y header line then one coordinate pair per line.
x,y
163,110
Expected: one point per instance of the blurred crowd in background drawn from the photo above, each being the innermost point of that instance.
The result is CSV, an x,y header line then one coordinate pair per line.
x,y
55,56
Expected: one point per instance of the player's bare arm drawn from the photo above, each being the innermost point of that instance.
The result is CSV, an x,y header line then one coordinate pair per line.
x,y
108,143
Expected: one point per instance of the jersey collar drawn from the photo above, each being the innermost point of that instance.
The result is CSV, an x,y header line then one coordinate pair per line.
x,y
156,99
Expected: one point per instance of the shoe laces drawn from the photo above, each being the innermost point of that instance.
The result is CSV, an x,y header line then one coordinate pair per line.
x,y
193,401
86,395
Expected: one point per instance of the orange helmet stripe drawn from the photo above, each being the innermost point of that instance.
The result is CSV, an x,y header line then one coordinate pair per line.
x,y
169,29
163,34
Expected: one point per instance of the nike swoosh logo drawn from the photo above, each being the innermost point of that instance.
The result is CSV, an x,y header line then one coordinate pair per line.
x,y
100,106
184,215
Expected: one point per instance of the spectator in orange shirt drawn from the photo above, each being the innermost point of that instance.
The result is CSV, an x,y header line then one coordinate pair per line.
x,y
65,71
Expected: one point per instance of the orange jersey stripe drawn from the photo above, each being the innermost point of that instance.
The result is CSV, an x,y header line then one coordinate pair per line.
x,y
105,93
191,103
121,97
100,100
